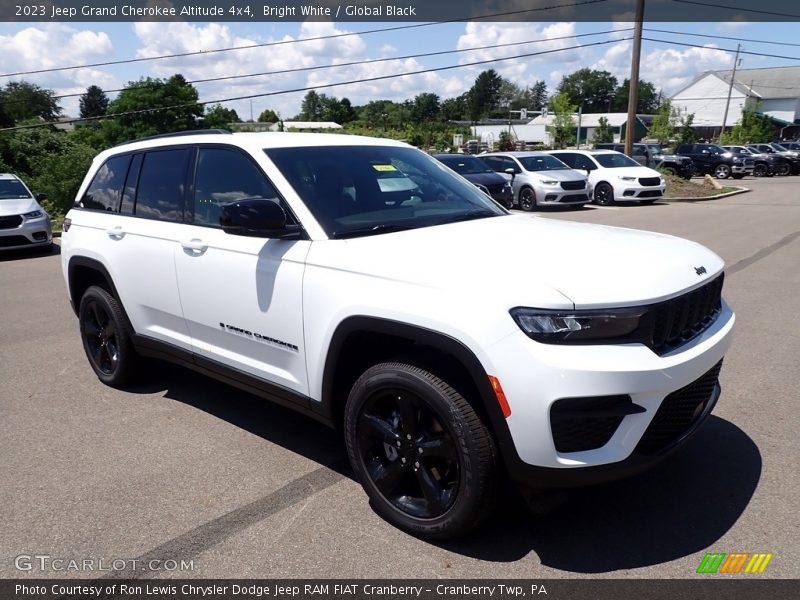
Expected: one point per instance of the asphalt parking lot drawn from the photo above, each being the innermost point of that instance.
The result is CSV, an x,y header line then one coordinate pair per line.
x,y
184,468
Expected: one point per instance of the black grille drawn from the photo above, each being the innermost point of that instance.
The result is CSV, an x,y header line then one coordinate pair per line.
x,y
574,198
679,413
573,185
580,424
650,194
680,319
6,241
749,162
648,181
10,222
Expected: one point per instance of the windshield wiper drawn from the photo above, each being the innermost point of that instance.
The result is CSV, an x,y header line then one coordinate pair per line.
x,y
372,230
469,216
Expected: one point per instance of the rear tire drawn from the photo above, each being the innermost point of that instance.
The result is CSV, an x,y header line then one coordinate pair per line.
x,y
760,171
783,170
106,338
421,453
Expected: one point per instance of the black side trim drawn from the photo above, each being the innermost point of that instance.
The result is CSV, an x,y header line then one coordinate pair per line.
x,y
438,341
244,381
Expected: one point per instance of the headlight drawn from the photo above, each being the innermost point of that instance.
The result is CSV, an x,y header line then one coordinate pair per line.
x,y
549,182
627,178
576,327
33,214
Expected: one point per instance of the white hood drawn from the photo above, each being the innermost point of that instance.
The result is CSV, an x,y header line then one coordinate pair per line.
x,y
18,207
515,259
629,172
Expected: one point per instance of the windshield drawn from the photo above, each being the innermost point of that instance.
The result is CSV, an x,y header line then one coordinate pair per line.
x,y
778,147
655,149
12,189
541,162
366,190
465,165
615,160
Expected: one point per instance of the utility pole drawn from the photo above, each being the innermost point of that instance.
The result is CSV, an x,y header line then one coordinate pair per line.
x,y
633,88
730,91
580,119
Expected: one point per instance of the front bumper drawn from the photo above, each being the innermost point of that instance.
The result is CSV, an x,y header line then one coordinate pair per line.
x,y
555,195
29,233
740,168
556,372
632,191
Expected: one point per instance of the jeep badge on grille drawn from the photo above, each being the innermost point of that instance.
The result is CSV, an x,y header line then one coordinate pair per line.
x,y
700,270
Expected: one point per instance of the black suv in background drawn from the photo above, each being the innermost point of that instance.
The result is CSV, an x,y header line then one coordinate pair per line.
x,y
653,156
715,160
766,165
778,150
477,173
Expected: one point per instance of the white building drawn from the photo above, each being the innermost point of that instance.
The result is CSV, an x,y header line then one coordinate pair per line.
x,y
774,92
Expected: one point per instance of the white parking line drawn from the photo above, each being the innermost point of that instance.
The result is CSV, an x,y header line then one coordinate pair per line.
x,y
606,207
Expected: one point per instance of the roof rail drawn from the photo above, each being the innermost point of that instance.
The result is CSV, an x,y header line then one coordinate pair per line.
x,y
178,134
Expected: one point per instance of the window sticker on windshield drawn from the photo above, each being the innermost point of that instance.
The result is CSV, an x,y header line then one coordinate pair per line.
x,y
384,167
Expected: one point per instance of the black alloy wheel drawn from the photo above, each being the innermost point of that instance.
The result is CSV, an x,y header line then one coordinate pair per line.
x,y
424,457
527,199
106,339
603,194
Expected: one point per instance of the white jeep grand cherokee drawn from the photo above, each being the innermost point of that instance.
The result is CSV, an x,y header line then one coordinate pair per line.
x,y
365,284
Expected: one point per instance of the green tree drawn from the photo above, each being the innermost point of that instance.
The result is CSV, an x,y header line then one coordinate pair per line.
x,y
665,123
311,108
176,109
22,101
589,88
538,96
268,116
484,95
218,117
425,107
686,134
752,128
603,134
505,142
454,109
647,104
94,103
562,130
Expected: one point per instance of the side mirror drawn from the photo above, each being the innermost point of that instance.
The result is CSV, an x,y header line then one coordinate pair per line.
x,y
510,171
256,217
40,197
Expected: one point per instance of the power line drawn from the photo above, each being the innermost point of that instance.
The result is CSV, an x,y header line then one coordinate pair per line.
x,y
317,87
735,8
729,50
357,62
284,42
722,37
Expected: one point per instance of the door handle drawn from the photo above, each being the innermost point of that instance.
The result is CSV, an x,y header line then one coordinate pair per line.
x,y
115,233
195,246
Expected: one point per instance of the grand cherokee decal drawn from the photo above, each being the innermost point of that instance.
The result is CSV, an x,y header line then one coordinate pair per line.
x,y
260,337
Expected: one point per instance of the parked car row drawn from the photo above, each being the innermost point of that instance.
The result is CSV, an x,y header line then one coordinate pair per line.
x,y
560,177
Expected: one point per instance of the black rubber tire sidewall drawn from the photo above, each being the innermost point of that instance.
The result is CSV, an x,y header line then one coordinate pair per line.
x,y
476,449
610,198
128,359
532,205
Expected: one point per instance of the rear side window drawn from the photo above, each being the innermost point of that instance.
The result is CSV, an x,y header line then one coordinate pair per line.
x,y
162,185
106,187
225,176
494,162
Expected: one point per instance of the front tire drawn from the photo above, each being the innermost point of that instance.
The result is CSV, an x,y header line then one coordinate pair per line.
x,y
106,338
603,194
527,199
783,170
722,171
760,171
423,456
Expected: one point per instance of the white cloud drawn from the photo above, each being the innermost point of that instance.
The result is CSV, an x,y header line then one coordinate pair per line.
x,y
53,45
670,69
176,38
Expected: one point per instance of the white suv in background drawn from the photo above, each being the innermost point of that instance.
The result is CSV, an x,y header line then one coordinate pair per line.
x,y
23,222
615,177
368,286
538,179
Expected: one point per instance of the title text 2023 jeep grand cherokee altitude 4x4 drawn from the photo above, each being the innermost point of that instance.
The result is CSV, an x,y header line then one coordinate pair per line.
x,y
365,284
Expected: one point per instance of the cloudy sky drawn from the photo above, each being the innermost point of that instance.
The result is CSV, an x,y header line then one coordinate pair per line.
x,y
32,46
